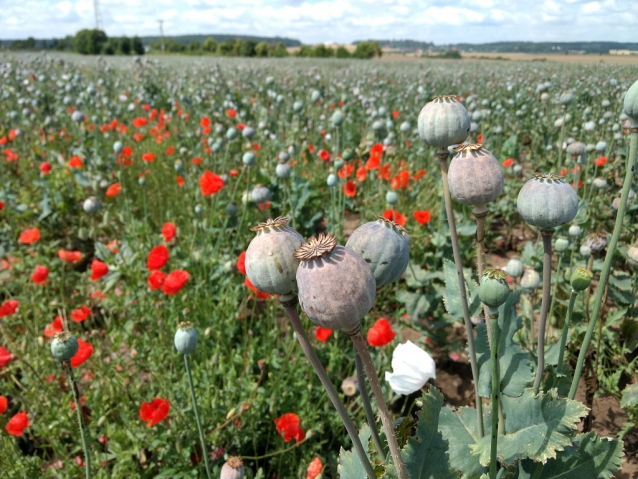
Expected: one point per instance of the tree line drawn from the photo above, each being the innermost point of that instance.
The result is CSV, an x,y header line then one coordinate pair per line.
x,y
87,42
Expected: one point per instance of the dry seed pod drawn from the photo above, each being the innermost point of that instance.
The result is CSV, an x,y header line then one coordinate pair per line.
x,y
336,286
444,122
233,469
475,176
547,201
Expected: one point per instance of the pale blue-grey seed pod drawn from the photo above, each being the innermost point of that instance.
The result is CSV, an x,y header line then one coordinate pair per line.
x,y
631,104
514,268
283,170
574,231
601,146
547,201
77,116
475,176
248,132
249,158
585,251
91,205
337,118
315,95
382,245
64,346
391,197
530,279
332,180
444,122
566,98
561,245
118,147
283,156
231,133
260,194
576,148
185,338
297,106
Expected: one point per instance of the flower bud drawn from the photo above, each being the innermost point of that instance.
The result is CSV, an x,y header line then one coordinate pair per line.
x,y
581,279
575,230
185,338
494,290
561,245
64,346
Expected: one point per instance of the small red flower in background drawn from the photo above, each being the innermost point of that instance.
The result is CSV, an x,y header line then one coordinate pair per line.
x,y
381,333
17,424
40,275
563,172
76,162
210,183
362,174
69,256
349,189
345,171
175,281
170,150
600,161
45,168
113,247
156,279
157,257
422,217
394,215
204,122
81,314
3,404
288,426
98,269
180,181
311,148
9,307
322,334
231,113
148,157
374,161
509,162
196,161
29,236
168,231
395,114
139,122
53,328
85,350
418,175
479,138
155,411
5,357
113,190
324,155
400,180
241,262
314,468
258,294
138,136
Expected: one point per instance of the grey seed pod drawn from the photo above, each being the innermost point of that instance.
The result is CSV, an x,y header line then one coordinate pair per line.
x,y
547,201
283,156
233,468
531,279
185,338
91,205
332,180
561,245
585,251
248,132
64,346
475,176
118,147
391,197
514,267
283,170
443,122
249,158
596,242
260,194
349,386
575,230
232,209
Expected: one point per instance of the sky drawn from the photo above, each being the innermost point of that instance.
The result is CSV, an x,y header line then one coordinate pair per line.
x,y
334,21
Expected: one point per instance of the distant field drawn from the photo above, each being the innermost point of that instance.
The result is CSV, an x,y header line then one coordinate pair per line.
x,y
615,59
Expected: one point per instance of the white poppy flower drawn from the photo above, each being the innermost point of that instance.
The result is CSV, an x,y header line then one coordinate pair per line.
x,y
412,368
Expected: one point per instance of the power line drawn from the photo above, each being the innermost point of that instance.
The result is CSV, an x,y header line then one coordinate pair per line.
x,y
161,25
98,16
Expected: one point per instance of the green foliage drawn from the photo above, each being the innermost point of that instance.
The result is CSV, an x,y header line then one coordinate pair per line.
x,y
367,50
89,41
350,467
322,51
261,50
279,51
137,46
452,296
194,46
28,44
226,49
125,45
209,45
305,51
342,52
630,396
459,430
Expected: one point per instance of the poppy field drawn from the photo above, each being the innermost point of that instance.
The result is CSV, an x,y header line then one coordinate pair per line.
x,y
278,268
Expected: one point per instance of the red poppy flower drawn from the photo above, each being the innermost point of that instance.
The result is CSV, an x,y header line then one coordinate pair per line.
x,y
324,155
381,333
233,173
288,426
509,162
384,172
400,180
85,350
314,468
204,122
362,174
422,217
17,424
29,236
139,122
394,215
196,161
345,170
148,157
322,334
53,328
40,275
479,138
3,404
5,357
210,183
180,181
258,294
175,281
76,162
9,307
600,161
373,163
113,247
98,269
157,258
69,256
155,411
311,148
231,113
168,231
156,279
349,189
81,314
138,136
45,167
170,150
241,262
1,205
113,190
563,172
418,175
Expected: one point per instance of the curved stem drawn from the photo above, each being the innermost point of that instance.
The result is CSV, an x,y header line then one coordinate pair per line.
x,y
547,285
365,399
563,336
493,318
443,154
196,411
373,379
290,306
78,409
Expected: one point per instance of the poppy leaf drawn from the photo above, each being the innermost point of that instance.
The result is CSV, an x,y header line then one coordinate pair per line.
x,y
459,429
452,297
350,467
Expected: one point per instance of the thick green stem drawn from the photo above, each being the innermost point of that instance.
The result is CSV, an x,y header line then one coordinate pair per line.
x,y
563,336
367,406
495,396
547,286
289,303
611,249
481,212
443,154
78,410
362,348
202,442
558,268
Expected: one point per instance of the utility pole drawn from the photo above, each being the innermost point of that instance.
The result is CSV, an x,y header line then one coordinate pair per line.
x,y
98,17
161,22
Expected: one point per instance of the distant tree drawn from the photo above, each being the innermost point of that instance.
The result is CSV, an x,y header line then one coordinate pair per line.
x,y
210,45
305,51
378,52
364,50
261,49
279,51
194,46
28,44
226,48
125,45
342,52
110,47
322,51
247,48
89,41
137,46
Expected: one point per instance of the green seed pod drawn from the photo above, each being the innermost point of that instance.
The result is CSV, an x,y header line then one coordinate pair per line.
x,y
585,251
444,122
233,469
566,98
347,154
336,286
249,158
391,198
514,268
547,201
531,279
494,290
561,245
185,338
631,104
337,118
232,209
283,170
475,176
64,346
581,279
382,245
575,230
332,180
271,265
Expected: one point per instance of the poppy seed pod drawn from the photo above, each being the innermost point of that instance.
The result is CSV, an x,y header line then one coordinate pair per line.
x,y
337,118
531,279
631,104
349,386
332,180
585,251
391,197
64,346
232,209
185,338
576,149
249,158
248,132
566,98
91,205
336,286
596,242
443,122
118,147
581,279
632,256
575,230
382,245
283,170
494,290
475,177
547,201
260,194
561,245
514,268
233,468
283,157
270,258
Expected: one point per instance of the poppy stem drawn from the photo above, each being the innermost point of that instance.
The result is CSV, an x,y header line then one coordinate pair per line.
x,y
196,411
367,406
542,321
496,389
563,336
362,348
480,212
289,303
78,410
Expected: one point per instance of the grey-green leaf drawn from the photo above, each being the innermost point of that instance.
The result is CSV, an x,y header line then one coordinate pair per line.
x,y
630,396
350,466
459,430
452,296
